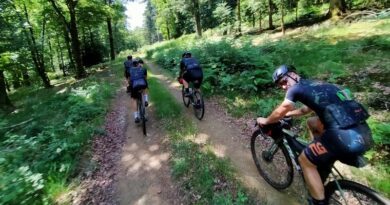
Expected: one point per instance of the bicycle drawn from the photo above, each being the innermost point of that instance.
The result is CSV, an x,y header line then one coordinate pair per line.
x,y
275,150
196,99
141,110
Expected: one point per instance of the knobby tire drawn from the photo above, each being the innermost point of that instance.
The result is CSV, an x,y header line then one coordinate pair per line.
x,y
186,100
278,172
199,108
354,193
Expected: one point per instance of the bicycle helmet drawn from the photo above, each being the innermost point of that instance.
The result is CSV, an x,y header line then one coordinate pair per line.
x,y
129,57
135,63
186,54
140,61
281,71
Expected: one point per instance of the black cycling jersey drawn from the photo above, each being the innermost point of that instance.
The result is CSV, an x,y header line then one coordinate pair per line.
x,y
314,94
189,64
128,64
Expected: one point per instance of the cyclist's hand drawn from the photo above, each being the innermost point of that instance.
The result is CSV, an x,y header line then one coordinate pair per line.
x,y
261,121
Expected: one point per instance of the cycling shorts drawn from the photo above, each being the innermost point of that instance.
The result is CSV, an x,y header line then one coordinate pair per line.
x,y
339,144
195,76
135,91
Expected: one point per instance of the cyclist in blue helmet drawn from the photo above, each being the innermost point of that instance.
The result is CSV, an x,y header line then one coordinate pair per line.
x,y
339,129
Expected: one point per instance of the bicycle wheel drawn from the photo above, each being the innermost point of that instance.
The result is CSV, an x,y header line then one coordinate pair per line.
x,y
272,160
198,105
186,100
142,114
346,192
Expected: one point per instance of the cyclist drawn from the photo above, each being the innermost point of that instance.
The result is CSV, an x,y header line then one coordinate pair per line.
x,y
340,123
141,64
138,82
128,64
190,71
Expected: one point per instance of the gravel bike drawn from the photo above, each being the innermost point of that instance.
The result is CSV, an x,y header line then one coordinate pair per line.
x,y
195,99
141,110
275,150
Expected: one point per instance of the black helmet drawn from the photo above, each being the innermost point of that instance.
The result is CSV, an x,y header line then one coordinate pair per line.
x,y
129,57
281,71
135,63
141,61
186,54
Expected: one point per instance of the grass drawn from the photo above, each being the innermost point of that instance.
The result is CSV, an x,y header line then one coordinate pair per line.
x,y
38,159
205,178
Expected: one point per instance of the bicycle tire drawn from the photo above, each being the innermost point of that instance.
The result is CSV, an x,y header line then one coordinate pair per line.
x,y
186,100
198,105
141,108
354,193
278,176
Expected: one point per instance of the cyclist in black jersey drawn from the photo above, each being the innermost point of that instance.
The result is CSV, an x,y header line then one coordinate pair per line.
x,y
128,64
138,82
339,128
190,71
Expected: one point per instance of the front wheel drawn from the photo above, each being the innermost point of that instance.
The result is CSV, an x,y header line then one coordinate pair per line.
x,y
272,160
198,105
344,192
186,100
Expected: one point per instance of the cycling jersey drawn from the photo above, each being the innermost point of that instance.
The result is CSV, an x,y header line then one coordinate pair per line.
x,y
189,64
128,64
137,80
346,134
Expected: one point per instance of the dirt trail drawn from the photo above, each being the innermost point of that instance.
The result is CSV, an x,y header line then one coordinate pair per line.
x,y
224,136
144,176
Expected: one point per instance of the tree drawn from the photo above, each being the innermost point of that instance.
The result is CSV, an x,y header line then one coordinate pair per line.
x,y
71,26
196,14
271,7
109,29
239,16
336,8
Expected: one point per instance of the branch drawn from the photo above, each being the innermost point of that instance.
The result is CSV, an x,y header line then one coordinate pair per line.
x,y
59,12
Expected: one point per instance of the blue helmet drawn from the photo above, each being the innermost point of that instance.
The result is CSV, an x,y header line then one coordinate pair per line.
x,y
281,71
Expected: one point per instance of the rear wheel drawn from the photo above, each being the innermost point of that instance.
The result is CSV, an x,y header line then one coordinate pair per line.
x,y
344,192
272,160
198,105
186,100
141,109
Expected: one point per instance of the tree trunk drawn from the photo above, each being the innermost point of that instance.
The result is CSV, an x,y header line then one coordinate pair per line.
x,y
35,53
260,17
282,8
239,16
51,53
270,12
5,103
336,8
80,72
110,33
168,32
253,20
71,26
111,39
197,17
72,65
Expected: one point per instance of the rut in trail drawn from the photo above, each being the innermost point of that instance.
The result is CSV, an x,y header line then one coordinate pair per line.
x,y
224,137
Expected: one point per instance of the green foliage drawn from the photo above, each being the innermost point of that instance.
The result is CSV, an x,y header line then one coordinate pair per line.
x,y
381,132
38,158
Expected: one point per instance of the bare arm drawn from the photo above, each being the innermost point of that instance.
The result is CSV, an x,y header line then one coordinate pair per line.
x,y
299,112
277,114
